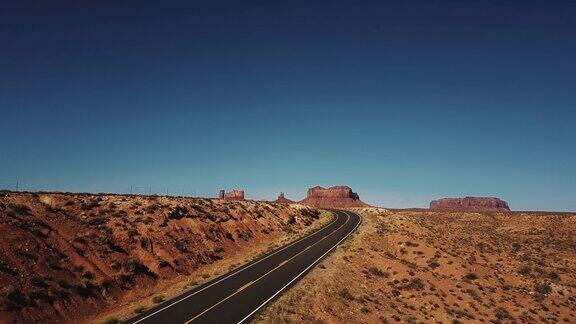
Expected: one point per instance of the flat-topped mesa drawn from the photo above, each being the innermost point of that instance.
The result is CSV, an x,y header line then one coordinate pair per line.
x,y
283,200
474,204
338,196
231,195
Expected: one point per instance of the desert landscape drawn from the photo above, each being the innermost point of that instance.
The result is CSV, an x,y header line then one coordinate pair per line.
x,y
105,258
442,267
215,162
90,258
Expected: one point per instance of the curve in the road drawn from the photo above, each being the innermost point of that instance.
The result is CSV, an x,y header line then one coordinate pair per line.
x,y
238,295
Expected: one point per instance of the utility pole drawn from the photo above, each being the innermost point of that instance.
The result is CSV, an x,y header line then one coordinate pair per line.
x,y
17,185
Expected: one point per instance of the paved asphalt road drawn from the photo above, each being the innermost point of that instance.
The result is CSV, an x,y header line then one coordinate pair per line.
x,y
235,297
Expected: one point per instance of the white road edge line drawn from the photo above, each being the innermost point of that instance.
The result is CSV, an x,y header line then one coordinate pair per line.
x,y
264,275
301,273
235,272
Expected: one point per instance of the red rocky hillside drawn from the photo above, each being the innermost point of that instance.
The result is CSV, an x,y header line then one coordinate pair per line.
x,y
67,257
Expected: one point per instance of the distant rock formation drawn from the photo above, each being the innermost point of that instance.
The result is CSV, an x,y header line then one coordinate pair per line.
x,y
474,204
339,196
283,200
231,195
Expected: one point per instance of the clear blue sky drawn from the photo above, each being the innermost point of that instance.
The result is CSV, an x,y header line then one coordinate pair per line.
x,y
404,102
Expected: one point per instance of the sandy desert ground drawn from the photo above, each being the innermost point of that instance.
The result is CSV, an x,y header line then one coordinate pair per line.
x,y
425,267
84,258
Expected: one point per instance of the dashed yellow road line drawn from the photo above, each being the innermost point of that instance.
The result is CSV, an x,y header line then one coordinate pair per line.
x,y
235,272
245,286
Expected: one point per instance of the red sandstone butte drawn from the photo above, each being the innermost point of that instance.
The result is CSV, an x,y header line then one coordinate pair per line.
x,y
231,195
474,204
283,200
339,196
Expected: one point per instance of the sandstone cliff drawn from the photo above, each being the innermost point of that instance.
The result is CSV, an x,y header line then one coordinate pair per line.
x,y
231,195
283,200
338,196
479,204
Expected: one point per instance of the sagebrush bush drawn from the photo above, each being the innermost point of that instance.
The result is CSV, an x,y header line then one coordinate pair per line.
x,y
470,276
90,205
377,272
346,294
20,209
158,299
111,320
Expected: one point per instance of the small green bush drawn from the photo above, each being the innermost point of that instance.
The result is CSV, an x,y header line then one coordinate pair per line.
x,y
64,284
51,209
377,272
88,275
139,310
150,209
524,270
553,276
346,294
177,213
470,277
90,205
111,320
543,289
501,313
115,266
135,266
20,209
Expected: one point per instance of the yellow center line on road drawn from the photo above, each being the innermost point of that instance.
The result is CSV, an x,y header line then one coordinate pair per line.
x,y
267,273
245,286
235,272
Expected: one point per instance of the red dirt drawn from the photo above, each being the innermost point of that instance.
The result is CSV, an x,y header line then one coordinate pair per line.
x,y
441,267
67,257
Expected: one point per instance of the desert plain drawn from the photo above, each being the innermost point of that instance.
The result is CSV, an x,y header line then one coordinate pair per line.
x,y
104,258
442,267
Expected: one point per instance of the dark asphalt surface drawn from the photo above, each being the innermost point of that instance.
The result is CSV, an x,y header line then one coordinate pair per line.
x,y
235,297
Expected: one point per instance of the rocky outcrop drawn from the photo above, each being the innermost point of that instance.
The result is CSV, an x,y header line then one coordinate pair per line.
x,y
339,196
231,195
283,200
83,255
474,204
